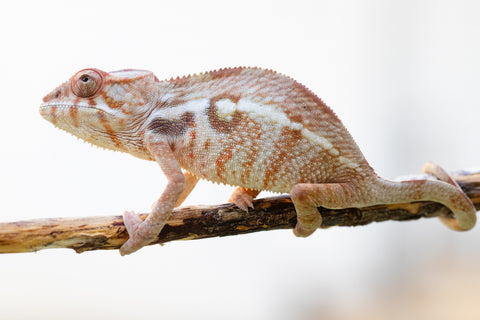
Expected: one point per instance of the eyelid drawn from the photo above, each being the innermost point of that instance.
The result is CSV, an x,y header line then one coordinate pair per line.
x,y
86,83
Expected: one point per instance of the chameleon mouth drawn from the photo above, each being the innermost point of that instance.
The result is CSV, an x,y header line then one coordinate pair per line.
x,y
64,106
53,110
61,114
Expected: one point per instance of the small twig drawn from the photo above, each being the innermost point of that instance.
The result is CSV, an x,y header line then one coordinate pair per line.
x,y
105,233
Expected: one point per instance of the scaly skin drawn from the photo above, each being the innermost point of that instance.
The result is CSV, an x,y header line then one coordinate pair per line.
x,y
248,127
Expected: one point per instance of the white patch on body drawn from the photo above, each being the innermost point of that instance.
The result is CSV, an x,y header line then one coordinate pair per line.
x,y
196,106
272,113
255,110
345,161
226,108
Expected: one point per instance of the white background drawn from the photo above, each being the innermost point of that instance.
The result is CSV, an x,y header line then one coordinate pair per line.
x,y
402,75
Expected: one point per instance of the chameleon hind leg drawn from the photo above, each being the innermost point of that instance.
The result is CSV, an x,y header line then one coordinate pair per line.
x,y
308,197
243,197
190,183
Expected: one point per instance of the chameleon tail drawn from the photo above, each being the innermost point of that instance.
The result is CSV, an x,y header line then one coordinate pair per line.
x,y
447,193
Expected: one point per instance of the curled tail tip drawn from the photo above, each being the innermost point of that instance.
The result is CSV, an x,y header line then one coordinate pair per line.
x,y
466,218
460,204
453,223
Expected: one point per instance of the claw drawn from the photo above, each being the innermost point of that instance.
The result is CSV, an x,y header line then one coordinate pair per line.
x,y
243,202
243,198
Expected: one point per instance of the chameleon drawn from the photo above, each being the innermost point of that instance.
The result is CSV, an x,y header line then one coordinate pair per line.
x,y
251,128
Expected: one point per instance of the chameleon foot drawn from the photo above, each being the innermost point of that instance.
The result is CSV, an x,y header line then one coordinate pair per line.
x,y
308,197
140,233
243,197
305,228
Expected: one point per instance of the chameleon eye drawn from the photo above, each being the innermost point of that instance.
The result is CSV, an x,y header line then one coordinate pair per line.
x,y
86,83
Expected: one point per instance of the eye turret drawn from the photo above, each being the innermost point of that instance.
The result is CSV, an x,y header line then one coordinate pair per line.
x,y
86,83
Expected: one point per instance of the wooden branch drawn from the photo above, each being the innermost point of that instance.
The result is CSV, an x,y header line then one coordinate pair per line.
x,y
105,233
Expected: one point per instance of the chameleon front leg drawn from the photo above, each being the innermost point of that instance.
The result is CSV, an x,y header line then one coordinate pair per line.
x,y
141,232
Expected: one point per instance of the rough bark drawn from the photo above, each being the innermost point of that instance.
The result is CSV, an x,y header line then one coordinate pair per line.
x,y
188,223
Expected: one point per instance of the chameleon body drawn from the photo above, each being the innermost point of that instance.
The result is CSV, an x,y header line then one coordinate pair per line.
x,y
248,127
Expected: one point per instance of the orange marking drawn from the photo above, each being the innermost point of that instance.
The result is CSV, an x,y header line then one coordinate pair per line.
x,y
191,144
206,146
112,103
92,102
249,164
288,140
220,163
53,113
125,111
73,112
108,129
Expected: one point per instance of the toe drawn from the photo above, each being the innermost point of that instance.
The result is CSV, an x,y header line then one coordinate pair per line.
x,y
243,201
131,220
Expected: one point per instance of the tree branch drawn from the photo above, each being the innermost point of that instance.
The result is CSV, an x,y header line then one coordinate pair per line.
x,y
106,233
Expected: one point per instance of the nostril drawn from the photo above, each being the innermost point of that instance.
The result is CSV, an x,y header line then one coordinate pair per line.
x,y
53,95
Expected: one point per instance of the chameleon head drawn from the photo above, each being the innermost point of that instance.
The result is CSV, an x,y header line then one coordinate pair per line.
x,y
101,107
